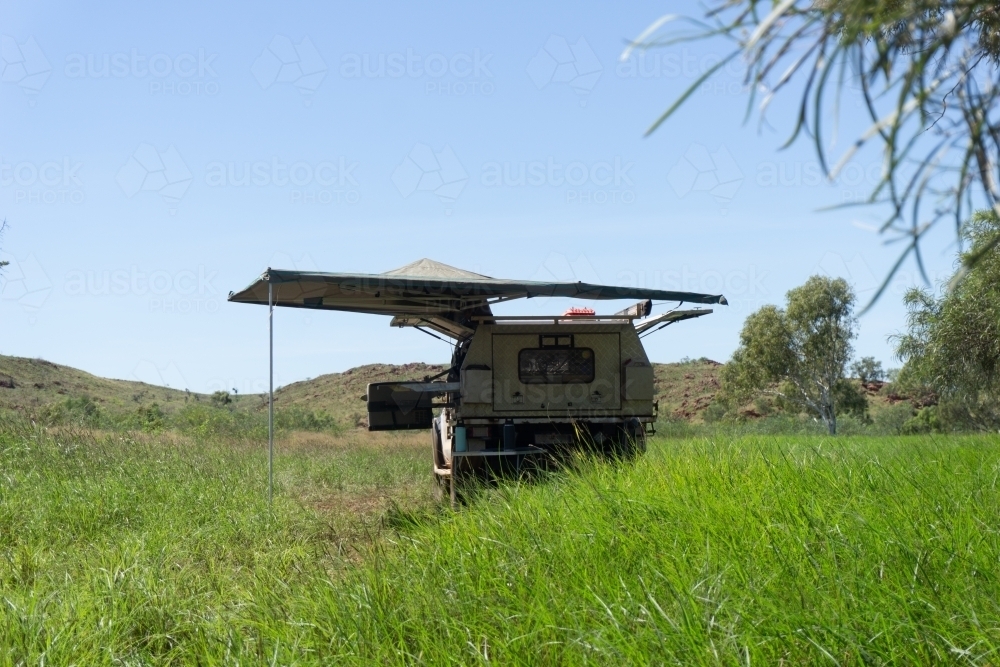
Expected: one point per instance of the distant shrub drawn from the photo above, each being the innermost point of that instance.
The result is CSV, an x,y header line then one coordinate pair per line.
x,y
203,421
76,411
151,418
927,420
891,419
300,419
715,412
221,399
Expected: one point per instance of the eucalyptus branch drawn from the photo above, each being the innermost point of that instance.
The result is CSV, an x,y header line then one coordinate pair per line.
x,y
928,77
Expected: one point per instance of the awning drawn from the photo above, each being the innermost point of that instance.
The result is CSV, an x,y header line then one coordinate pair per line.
x,y
435,293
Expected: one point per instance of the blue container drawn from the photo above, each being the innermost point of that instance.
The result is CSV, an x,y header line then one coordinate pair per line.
x,y
509,436
461,444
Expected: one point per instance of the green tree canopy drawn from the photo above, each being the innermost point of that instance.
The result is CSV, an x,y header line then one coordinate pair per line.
x,y
952,343
868,369
798,354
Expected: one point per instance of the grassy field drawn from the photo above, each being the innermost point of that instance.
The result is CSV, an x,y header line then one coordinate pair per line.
x,y
119,548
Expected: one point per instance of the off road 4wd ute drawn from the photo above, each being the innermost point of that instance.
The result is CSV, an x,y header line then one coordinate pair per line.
x,y
518,387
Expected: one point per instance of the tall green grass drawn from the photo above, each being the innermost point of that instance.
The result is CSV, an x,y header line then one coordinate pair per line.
x,y
759,550
195,419
131,548
756,551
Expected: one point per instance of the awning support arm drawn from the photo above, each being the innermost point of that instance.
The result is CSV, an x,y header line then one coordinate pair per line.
x,y
418,328
270,394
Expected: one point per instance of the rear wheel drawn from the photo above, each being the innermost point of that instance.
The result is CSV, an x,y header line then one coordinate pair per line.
x,y
635,439
628,441
441,483
436,441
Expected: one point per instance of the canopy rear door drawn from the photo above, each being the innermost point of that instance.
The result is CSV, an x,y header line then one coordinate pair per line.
x,y
550,372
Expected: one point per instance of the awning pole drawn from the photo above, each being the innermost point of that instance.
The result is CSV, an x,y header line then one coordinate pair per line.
x,y
270,394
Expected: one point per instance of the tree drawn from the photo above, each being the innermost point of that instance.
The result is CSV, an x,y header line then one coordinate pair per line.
x,y
868,370
798,354
926,71
951,347
220,399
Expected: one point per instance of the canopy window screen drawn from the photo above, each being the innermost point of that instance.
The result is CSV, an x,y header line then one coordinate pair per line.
x,y
556,366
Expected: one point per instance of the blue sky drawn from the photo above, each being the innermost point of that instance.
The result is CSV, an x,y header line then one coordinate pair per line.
x,y
154,158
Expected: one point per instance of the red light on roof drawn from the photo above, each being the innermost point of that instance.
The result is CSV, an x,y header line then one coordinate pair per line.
x,y
577,311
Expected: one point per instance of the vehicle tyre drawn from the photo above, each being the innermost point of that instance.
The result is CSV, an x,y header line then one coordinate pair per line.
x,y
441,484
437,442
441,488
635,439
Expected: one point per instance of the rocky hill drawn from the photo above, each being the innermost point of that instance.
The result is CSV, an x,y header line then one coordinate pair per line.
x,y
684,390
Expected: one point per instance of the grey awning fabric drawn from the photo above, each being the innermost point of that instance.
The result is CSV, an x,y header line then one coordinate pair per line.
x,y
430,290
